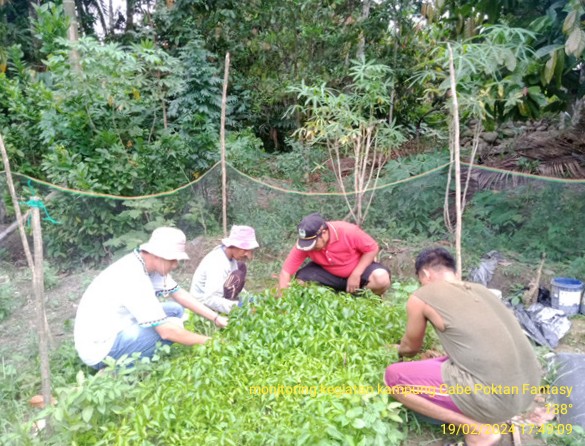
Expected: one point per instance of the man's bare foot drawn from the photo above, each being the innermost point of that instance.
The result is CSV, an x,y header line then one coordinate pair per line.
x,y
482,439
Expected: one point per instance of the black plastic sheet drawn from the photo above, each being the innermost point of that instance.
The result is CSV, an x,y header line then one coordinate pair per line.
x,y
569,369
486,269
545,325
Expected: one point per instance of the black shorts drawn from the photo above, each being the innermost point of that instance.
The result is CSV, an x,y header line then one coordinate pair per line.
x,y
316,273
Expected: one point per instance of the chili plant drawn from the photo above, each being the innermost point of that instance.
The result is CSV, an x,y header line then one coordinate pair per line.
x,y
303,369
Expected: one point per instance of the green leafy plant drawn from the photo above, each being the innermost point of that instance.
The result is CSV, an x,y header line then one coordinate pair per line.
x,y
305,368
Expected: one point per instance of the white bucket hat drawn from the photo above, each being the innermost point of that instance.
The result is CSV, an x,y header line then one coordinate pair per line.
x,y
166,243
243,237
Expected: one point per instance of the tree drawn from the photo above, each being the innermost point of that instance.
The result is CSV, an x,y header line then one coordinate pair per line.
x,y
477,77
558,39
352,124
269,54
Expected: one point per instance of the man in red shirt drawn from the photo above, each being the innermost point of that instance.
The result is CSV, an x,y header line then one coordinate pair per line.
x,y
342,257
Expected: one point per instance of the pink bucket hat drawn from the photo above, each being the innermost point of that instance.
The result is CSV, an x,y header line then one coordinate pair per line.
x,y
167,243
242,237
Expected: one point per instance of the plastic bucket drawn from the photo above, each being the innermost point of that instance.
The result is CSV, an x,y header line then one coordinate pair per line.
x,y
565,294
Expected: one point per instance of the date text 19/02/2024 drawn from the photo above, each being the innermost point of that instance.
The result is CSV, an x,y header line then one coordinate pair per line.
x,y
505,429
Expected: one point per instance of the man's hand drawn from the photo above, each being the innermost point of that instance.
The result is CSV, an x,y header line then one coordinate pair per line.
x,y
353,283
221,322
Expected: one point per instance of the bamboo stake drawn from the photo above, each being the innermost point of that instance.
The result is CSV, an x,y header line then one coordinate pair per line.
x,y
37,274
39,290
457,156
531,295
222,144
19,218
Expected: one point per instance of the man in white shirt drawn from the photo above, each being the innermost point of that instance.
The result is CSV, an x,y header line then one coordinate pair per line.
x,y
221,275
120,312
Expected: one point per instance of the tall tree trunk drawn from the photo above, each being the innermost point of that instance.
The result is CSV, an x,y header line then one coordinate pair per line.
x,y
129,15
72,33
35,44
111,17
361,50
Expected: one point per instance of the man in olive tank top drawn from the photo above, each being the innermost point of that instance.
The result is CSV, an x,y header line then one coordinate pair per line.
x,y
490,370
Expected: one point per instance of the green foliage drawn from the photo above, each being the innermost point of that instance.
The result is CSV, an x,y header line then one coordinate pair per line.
x,y
302,165
21,94
196,112
50,276
576,267
311,338
394,209
529,219
106,129
13,387
334,115
560,44
490,71
244,151
268,55
352,123
50,26
554,436
15,30
91,229
7,300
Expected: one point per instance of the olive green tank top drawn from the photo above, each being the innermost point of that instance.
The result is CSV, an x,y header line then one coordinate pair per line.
x,y
492,370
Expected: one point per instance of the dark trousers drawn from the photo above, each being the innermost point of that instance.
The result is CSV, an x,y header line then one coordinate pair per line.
x,y
316,273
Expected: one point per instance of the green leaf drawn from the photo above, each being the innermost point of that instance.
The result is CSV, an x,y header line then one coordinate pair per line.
x,y
510,60
395,417
570,21
87,413
354,412
537,96
358,423
575,44
333,432
549,68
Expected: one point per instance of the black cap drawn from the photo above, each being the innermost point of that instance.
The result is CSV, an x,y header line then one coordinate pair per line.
x,y
309,229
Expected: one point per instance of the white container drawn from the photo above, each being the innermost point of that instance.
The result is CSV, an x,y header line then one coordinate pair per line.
x,y
565,294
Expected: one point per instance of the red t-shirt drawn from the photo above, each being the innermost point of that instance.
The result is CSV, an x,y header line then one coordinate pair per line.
x,y
347,244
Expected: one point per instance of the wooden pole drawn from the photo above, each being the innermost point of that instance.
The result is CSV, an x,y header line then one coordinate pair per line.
x,y
36,267
6,232
19,218
457,156
222,144
39,291
72,34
